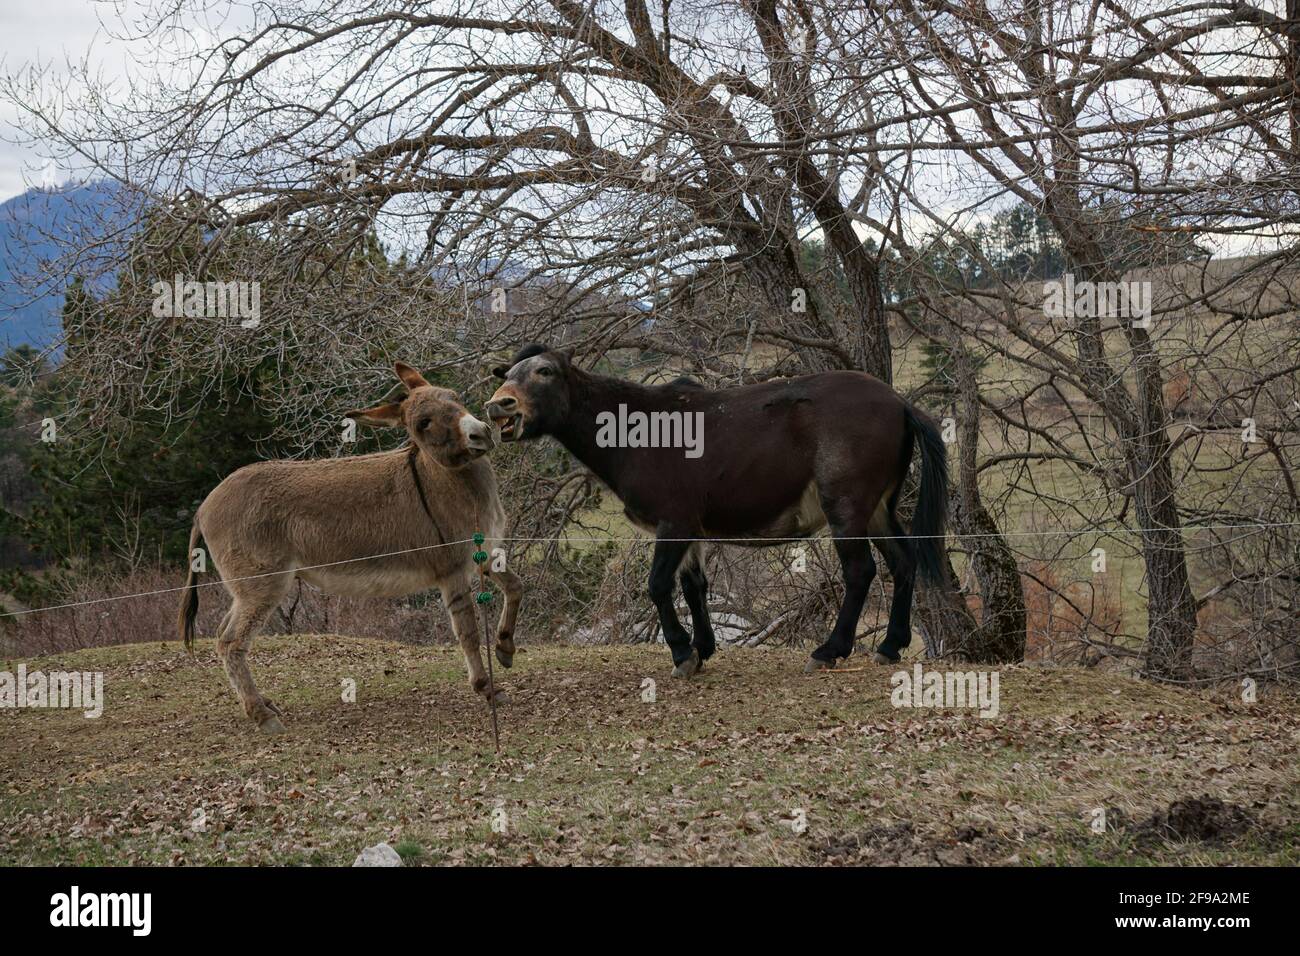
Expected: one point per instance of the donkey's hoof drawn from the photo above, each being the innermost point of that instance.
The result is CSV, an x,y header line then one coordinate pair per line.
x,y
271,725
880,658
688,667
816,664
506,658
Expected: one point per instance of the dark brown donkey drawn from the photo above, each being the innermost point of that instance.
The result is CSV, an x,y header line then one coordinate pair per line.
x,y
761,464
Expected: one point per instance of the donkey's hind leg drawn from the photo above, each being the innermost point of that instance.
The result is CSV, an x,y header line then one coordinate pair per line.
x,y
900,556
849,516
247,616
859,569
225,623
695,588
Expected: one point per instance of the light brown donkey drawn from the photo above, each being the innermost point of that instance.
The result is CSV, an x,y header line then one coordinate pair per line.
x,y
324,521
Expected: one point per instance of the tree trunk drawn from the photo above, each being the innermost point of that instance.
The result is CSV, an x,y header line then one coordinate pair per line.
x,y
943,618
1141,420
1000,637
1171,609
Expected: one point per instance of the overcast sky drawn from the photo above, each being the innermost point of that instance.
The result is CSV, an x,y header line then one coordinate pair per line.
x,y
49,31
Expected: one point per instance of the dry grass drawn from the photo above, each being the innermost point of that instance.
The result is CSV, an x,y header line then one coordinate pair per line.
x,y
714,771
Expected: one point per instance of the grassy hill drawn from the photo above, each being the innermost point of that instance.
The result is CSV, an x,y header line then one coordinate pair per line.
x,y
716,770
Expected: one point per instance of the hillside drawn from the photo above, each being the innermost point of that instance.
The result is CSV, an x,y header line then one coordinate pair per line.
x,y
716,770
35,229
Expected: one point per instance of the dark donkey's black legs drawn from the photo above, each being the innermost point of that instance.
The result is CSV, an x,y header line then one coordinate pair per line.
x,y
859,570
900,556
695,587
668,557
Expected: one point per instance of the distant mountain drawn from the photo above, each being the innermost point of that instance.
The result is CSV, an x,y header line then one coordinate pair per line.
x,y
35,229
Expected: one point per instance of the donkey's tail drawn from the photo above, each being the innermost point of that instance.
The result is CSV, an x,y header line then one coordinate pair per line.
x,y
932,503
189,609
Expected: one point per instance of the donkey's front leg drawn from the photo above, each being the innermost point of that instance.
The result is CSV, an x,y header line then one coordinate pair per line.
x,y
668,557
514,589
458,596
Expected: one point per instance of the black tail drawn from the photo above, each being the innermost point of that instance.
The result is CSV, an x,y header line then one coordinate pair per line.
x,y
932,503
189,596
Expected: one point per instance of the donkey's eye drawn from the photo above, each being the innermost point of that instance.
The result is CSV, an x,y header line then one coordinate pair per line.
x,y
546,371
424,424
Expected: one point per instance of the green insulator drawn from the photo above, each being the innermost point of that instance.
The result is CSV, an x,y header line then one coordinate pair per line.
x,y
484,597
480,557
478,537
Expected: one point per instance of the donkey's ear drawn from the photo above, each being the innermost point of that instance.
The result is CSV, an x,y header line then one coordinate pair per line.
x,y
409,376
389,415
500,371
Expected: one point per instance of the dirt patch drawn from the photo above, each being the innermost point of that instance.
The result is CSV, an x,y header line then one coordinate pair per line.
x,y
1205,818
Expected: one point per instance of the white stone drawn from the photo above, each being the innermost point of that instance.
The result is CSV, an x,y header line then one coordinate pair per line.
x,y
379,855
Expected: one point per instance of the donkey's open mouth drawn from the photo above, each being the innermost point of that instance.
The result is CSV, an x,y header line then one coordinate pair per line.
x,y
511,424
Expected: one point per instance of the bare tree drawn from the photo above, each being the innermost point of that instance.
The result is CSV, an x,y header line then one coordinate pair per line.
x,y
1079,110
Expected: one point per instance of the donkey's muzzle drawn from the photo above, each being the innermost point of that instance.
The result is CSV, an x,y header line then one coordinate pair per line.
x,y
478,435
